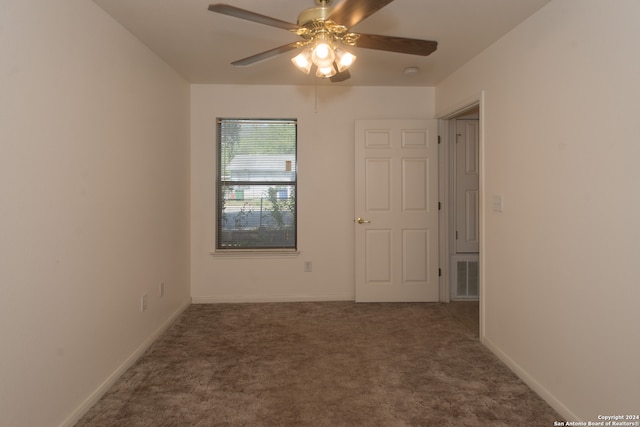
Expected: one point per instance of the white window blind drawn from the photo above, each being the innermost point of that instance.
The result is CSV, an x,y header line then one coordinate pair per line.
x,y
256,184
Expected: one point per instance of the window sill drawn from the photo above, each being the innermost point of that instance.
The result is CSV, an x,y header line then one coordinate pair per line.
x,y
261,253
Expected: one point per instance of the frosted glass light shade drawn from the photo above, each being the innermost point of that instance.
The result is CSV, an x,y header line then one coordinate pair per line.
x,y
303,61
325,72
344,59
323,55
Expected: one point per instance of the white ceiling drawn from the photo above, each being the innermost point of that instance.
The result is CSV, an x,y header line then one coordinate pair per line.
x,y
200,45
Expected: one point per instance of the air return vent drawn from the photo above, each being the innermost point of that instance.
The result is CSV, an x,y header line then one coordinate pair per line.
x,y
465,277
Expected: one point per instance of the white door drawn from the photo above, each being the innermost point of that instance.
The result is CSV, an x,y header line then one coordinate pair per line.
x,y
467,186
396,208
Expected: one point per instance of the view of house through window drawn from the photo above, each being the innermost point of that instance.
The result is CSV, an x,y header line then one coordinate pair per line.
x,y
256,184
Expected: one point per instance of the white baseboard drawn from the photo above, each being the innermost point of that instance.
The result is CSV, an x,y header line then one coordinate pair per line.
x,y
75,416
217,299
545,394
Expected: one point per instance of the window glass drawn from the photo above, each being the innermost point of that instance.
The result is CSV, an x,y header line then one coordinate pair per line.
x,y
256,184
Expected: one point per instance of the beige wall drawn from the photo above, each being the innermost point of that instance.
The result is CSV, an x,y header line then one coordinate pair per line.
x,y
561,288
94,190
326,187
94,204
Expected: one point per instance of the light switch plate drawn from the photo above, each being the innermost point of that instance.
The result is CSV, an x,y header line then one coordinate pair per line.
x,y
498,203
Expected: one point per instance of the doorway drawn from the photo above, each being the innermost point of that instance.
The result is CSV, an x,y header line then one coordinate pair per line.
x,y
461,198
465,187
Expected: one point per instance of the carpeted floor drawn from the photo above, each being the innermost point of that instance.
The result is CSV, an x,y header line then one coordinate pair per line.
x,y
467,313
319,364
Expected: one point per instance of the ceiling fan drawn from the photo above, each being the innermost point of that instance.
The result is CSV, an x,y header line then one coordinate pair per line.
x,y
325,34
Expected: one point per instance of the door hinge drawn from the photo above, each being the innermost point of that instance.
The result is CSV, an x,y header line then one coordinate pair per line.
x,y
439,272
456,234
439,206
439,140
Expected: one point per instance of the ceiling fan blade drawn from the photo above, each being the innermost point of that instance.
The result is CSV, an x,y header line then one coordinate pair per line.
x,y
265,55
236,12
350,12
340,77
397,44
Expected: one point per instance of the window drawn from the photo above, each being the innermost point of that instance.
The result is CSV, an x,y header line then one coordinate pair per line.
x,y
256,184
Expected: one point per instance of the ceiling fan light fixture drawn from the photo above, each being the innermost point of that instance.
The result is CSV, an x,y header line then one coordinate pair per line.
x,y
303,61
328,58
344,59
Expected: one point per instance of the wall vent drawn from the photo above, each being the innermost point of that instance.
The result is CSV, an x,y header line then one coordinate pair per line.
x,y
465,277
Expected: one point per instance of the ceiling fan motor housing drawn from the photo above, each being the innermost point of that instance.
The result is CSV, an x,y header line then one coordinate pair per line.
x,y
309,16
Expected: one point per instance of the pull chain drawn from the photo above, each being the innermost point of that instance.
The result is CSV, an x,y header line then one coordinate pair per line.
x,y
315,108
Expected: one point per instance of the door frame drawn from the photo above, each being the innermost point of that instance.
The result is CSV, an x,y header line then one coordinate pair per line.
x,y
446,135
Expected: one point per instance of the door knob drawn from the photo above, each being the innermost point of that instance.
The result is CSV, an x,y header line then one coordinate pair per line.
x,y
363,221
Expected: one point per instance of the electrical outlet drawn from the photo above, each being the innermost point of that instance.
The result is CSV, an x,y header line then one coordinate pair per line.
x,y
143,303
307,266
161,289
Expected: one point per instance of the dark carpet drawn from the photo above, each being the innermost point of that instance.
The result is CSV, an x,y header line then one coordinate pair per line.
x,y
319,364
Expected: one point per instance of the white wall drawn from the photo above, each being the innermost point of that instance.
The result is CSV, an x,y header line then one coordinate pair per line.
x,y
561,284
94,204
325,192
